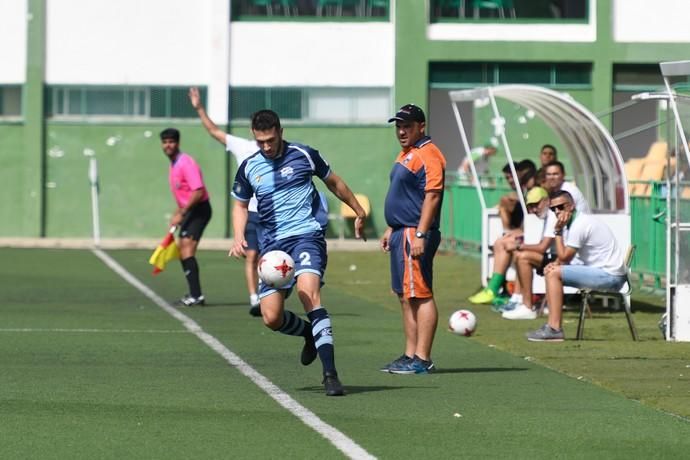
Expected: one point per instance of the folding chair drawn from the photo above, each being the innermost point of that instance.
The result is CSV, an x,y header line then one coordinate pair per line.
x,y
589,294
347,213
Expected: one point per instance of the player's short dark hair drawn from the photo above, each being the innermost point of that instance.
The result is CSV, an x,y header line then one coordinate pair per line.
x,y
170,133
556,163
549,146
506,169
265,120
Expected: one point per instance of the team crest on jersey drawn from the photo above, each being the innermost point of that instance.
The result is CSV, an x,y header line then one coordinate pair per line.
x,y
287,172
407,159
257,178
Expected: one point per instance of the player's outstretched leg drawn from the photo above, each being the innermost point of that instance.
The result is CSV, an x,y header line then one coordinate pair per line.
x,y
323,339
294,325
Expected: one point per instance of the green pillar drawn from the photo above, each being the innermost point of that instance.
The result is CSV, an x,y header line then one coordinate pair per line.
x,y
411,61
602,68
33,192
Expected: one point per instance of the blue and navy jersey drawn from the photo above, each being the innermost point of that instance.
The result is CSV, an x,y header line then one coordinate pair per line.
x,y
288,203
417,170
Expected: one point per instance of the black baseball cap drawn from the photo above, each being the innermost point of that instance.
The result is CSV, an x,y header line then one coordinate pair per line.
x,y
409,112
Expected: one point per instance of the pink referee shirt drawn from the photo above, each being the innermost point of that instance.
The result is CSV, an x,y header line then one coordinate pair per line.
x,y
185,177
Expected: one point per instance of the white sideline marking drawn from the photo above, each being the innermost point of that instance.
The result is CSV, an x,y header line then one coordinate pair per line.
x,y
346,445
100,331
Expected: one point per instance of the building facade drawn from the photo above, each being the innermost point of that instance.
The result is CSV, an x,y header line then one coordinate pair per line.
x,y
83,79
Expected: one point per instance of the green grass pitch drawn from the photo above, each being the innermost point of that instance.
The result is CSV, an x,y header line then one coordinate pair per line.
x,y
91,368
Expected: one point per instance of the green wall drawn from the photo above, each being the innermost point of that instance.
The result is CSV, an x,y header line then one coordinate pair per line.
x,y
20,198
135,200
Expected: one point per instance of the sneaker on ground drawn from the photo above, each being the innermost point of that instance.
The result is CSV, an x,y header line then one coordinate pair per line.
x,y
506,307
255,311
332,384
403,359
483,296
520,311
416,366
309,352
546,334
189,301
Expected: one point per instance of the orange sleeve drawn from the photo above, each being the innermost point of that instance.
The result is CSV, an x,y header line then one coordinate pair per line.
x,y
435,168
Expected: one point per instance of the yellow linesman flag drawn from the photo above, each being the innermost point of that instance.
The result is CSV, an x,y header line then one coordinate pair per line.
x,y
166,251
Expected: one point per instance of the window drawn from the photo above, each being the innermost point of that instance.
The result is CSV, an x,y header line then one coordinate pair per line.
x,y
10,101
119,102
509,10
346,10
314,105
470,74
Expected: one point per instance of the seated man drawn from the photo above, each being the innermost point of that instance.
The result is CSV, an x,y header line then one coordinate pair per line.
x,y
527,257
603,266
554,182
509,208
510,211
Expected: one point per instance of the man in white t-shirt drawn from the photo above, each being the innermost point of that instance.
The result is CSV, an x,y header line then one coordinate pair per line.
x,y
241,149
603,266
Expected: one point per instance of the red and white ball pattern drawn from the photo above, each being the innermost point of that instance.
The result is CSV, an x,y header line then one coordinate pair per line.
x,y
462,322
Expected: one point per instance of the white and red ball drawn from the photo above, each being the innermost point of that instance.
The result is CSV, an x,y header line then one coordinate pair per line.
x,y
462,322
276,269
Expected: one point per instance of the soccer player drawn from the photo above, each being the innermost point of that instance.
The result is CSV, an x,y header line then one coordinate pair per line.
x,y
412,210
241,149
280,176
193,210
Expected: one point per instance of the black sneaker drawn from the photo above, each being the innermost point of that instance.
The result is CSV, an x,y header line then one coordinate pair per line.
x,y
255,311
189,301
332,384
309,352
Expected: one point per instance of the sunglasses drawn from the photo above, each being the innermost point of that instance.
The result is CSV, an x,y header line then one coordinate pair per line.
x,y
558,207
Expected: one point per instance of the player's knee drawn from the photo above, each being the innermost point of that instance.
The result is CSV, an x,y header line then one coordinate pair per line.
x,y
273,321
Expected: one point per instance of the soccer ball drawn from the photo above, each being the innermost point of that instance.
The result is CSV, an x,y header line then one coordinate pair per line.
x,y
462,322
276,269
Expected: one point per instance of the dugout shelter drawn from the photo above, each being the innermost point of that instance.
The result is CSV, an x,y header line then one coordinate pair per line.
x,y
595,162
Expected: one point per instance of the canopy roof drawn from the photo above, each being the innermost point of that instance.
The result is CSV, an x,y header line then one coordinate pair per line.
x,y
595,159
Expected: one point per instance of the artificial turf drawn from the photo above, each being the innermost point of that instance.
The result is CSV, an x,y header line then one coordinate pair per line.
x,y
91,368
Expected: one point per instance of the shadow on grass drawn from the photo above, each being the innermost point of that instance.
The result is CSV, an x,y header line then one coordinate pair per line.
x,y
477,370
354,389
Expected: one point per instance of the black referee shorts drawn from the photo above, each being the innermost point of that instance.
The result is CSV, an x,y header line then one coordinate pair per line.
x,y
196,220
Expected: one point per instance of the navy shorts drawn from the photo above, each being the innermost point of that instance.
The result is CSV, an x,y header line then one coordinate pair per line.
x,y
195,221
309,253
412,278
251,231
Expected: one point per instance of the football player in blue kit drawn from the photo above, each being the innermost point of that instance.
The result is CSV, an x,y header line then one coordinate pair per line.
x,y
290,214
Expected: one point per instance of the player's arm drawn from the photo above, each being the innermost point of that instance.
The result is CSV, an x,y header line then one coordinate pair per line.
x,y
240,215
211,127
340,189
430,208
180,213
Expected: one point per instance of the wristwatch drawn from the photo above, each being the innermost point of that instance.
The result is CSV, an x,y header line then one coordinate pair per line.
x,y
419,234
